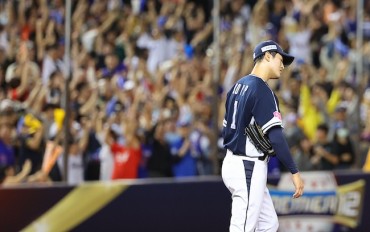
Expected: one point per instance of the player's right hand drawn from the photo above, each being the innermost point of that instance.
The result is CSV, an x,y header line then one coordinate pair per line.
x,y
298,183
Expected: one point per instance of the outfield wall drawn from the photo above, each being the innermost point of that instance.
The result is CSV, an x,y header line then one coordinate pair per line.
x,y
332,202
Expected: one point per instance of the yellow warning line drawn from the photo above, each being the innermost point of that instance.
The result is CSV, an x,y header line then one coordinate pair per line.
x,y
80,204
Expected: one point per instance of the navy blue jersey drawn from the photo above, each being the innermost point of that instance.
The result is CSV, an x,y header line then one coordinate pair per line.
x,y
250,99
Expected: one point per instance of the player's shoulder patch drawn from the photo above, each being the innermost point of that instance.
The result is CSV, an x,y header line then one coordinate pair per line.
x,y
277,115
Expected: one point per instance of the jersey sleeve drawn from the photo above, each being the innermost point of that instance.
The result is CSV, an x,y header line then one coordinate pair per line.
x,y
266,110
281,148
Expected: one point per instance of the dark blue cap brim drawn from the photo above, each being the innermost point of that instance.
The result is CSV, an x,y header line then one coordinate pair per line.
x,y
287,59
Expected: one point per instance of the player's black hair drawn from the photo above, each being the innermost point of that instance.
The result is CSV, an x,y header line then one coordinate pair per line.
x,y
258,59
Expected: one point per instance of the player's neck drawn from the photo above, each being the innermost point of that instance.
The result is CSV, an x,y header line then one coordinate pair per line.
x,y
260,72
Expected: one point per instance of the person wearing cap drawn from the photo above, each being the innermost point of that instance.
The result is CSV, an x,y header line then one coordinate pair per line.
x,y
244,169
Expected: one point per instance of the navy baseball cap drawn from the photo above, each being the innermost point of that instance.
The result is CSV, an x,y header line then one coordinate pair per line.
x,y
271,46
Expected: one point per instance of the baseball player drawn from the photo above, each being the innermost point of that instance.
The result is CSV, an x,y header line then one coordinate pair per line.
x,y
244,169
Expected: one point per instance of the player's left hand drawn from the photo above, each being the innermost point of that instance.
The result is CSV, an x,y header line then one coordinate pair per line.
x,y
298,183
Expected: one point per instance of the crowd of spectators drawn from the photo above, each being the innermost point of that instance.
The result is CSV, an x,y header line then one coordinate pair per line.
x,y
142,93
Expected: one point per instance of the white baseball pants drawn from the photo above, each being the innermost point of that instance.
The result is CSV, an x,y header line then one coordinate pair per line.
x,y
252,207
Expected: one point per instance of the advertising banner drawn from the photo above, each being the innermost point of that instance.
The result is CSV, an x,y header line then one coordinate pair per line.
x,y
325,205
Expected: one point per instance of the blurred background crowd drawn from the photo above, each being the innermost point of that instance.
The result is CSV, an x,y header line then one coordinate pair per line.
x,y
142,89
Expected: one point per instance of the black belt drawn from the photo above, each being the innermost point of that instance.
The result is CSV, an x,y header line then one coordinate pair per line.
x,y
262,158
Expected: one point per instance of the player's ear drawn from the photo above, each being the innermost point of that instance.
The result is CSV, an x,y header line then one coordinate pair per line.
x,y
267,56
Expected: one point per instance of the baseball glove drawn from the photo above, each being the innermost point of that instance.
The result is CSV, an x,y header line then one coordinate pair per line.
x,y
259,139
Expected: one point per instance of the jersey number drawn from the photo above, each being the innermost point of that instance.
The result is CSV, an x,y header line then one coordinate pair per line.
x,y
233,125
240,90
